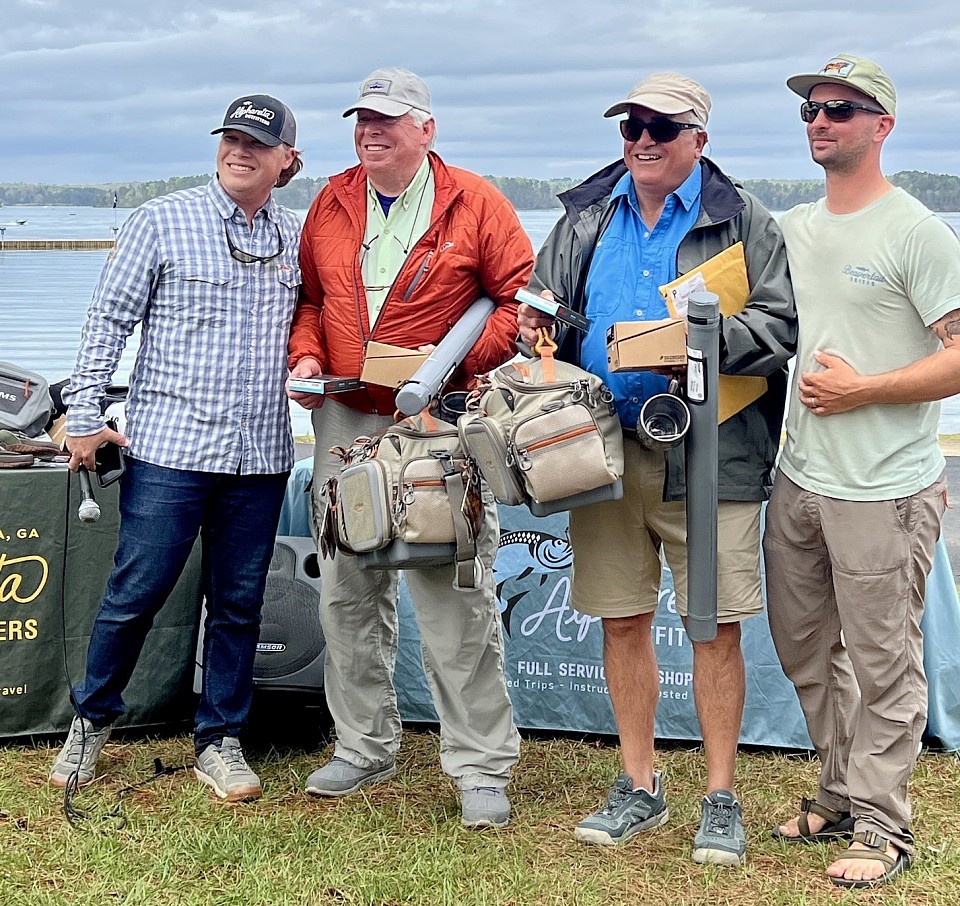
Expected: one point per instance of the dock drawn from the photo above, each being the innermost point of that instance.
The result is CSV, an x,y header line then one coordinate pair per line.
x,y
56,245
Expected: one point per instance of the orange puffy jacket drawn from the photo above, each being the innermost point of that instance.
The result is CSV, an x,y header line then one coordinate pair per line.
x,y
474,246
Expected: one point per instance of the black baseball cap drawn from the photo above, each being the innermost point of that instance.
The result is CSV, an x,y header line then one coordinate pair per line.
x,y
263,117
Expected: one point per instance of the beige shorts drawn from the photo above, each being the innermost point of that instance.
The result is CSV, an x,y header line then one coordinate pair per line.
x,y
617,547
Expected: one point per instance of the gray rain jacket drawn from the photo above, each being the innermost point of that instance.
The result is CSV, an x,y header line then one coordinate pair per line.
x,y
757,341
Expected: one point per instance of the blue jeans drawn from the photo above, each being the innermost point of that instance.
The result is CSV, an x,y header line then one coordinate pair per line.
x,y
162,511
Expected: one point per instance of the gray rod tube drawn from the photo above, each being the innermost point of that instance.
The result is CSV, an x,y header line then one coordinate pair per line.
x,y
415,395
703,353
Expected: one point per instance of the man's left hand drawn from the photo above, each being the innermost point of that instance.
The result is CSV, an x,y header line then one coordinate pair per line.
x,y
838,388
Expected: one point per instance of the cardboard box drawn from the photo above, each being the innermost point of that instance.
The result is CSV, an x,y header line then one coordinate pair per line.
x,y
636,345
390,366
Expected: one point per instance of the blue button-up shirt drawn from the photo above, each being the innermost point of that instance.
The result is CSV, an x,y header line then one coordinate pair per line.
x,y
207,388
630,264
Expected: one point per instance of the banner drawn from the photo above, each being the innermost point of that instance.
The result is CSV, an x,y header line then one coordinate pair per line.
x,y
53,570
554,655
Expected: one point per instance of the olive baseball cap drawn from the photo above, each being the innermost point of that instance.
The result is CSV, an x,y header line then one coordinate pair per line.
x,y
263,117
392,92
857,72
668,93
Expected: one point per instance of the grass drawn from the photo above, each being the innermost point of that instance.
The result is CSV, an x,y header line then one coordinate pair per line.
x,y
401,842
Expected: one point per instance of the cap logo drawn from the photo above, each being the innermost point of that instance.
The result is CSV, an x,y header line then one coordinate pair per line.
x,y
841,68
246,111
377,86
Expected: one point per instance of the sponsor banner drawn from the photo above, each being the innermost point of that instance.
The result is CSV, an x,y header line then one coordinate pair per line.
x,y
53,570
554,655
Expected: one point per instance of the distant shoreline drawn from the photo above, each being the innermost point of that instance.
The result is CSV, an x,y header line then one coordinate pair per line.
x,y
938,191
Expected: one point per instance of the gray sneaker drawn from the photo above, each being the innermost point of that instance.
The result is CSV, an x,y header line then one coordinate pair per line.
x,y
339,777
79,754
721,840
484,806
627,812
224,768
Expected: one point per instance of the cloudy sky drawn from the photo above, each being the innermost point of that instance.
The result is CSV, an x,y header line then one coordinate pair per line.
x,y
117,90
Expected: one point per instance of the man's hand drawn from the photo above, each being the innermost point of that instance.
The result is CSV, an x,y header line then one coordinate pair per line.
x,y
529,319
83,450
307,367
838,388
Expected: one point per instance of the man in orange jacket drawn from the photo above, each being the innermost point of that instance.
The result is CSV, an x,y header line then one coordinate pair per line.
x,y
395,250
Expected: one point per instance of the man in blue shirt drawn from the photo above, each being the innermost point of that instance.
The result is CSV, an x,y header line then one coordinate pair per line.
x,y
211,275
632,227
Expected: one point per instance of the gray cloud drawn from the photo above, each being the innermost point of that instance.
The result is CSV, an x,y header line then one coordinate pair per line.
x,y
104,92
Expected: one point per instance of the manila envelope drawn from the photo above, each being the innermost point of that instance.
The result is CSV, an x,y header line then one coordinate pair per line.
x,y
390,366
726,275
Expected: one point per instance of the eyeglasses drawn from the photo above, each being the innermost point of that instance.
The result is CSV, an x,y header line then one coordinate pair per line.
x,y
246,257
835,111
660,129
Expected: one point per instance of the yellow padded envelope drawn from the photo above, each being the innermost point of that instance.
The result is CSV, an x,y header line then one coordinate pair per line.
x,y
726,275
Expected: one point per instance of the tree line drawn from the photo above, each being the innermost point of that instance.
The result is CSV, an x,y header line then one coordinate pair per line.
x,y
938,191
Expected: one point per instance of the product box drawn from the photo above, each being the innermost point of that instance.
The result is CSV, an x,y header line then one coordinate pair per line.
x,y
636,345
390,366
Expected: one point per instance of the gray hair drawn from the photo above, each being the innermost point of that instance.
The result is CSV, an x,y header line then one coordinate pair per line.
x,y
420,118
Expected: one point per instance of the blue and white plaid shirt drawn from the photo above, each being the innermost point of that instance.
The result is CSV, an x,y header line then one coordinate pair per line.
x,y
207,388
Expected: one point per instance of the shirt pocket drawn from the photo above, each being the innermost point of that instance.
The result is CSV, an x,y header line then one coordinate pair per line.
x,y
203,297
288,275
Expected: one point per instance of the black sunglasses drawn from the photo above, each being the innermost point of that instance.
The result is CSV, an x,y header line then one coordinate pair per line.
x,y
660,129
835,111
245,257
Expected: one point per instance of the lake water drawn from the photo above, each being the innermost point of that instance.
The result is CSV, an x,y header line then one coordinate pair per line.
x,y
44,295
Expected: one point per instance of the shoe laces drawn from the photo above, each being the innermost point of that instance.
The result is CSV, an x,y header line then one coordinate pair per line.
x,y
233,759
82,744
720,818
485,790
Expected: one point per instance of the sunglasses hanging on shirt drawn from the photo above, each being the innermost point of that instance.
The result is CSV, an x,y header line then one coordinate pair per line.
x,y
248,258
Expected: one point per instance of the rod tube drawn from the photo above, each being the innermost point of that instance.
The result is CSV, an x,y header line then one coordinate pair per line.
x,y
703,353
415,395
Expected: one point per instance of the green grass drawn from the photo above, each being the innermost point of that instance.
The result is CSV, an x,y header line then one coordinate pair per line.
x,y
402,843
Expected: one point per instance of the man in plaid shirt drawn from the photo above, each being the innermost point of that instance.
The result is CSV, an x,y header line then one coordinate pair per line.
x,y
211,275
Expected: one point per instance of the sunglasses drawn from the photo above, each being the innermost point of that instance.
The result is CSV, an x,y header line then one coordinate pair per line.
x,y
247,258
835,111
660,129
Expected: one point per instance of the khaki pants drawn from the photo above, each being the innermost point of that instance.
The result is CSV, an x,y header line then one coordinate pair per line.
x,y
618,545
461,641
845,589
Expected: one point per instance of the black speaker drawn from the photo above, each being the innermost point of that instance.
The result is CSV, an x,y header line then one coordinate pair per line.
x,y
290,650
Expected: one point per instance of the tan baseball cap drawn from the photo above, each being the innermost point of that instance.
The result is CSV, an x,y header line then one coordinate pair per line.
x,y
857,72
668,93
392,92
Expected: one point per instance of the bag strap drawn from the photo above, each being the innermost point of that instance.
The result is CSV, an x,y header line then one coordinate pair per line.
x,y
545,348
457,490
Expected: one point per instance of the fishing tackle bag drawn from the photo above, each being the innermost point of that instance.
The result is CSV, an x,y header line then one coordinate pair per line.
x,y
545,433
407,498
25,403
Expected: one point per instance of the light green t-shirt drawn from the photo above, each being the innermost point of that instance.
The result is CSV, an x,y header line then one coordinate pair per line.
x,y
388,239
867,286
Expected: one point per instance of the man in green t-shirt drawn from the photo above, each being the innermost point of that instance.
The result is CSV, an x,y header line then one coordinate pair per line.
x,y
856,507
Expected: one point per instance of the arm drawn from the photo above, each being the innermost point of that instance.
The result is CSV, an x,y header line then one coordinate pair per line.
x,y
307,356
930,275
760,339
506,260
120,301
839,388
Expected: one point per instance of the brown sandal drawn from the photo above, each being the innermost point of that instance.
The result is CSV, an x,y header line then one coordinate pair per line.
x,y
839,825
879,851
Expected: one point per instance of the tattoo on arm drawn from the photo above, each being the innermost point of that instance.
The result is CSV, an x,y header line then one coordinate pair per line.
x,y
948,327
952,327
